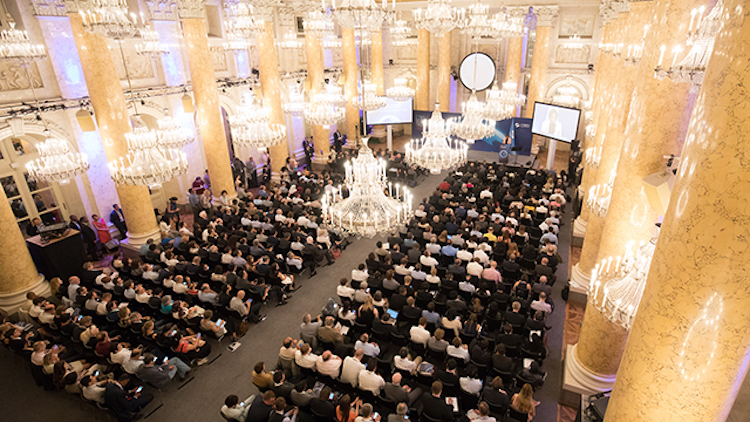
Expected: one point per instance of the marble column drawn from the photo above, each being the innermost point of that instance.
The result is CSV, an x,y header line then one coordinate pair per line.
x,y
376,66
111,112
422,95
351,68
314,54
19,275
207,105
687,354
270,84
545,17
444,72
513,62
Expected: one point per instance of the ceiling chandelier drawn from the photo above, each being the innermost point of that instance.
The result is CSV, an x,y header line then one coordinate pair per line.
x,y
370,100
318,23
332,42
110,19
477,23
147,163
56,163
241,20
401,33
508,25
573,43
400,91
362,37
171,134
290,40
567,95
692,67
439,17
502,104
359,14
622,281
151,45
234,42
367,210
326,107
473,125
296,104
436,151
252,126
17,48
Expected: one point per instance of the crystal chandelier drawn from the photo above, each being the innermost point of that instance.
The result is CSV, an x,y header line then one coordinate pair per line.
x,y
507,25
326,107
296,104
573,43
359,14
370,100
151,45
290,41
502,104
171,134
477,23
56,162
367,210
567,95
400,91
401,33
318,23
598,198
439,17
235,42
436,151
17,48
362,37
331,42
252,126
473,125
692,67
622,281
110,19
592,157
147,163
241,20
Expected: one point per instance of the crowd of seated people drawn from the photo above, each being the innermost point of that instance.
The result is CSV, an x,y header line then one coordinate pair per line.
x,y
149,320
452,309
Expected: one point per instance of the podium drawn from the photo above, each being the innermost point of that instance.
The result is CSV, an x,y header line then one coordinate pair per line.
x,y
62,257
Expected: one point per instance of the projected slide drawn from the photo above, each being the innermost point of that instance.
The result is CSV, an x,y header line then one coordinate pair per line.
x,y
394,112
555,122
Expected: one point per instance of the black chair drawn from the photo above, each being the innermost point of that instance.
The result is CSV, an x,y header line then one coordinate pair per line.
x,y
516,416
467,400
498,412
418,349
426,418
436,357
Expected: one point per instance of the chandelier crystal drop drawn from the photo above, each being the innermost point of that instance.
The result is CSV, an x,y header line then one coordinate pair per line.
x,y
477,23
235,42
252,126
473,126
501,104
359,14
373,205
622,280
147,162
370,100
151,45
56,163
326,107
436,151
318,23
296,104
110,19
400,91
172,135
17,48
439,17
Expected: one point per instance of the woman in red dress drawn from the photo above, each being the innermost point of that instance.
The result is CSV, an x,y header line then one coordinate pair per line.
x,y
101,229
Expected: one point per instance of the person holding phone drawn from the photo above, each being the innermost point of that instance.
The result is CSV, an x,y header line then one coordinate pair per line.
x,y
124,400
366,414
159,374
280,413
235,409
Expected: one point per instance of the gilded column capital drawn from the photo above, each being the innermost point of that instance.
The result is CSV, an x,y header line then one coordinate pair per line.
x,y
192,9
49,7
546,15
162,10
518,11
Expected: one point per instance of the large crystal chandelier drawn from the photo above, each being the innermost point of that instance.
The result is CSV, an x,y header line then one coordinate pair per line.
x,y
599,196
622,281
290,41
56,162
241,20
235,43
326,107
474,125
567,95
692,67
401,33
359,14
508,25
368,99
436,151
367,210
110,19
362,37
296,105
171,134
147,163
252,126
439,17
400,91
501,104
477,23
318,23
332,42
17,49
151,45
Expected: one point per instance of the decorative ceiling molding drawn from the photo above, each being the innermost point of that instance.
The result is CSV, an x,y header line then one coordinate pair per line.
x,y
49,7
164,10
546,15
191,9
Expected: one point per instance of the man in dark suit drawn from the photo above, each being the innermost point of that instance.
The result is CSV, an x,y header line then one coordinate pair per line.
x,y
337,141
495,394
401,393
508,338
281,387
117,218
501,362
449,375
513,316
123,402
435,406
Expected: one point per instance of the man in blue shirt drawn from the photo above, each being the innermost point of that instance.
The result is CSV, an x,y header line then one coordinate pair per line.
x,y
449,250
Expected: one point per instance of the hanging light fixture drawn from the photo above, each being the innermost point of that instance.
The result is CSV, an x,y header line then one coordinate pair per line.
x,y
147,162
362,37
501,104
368,210
235,43
16,47
290,41
368,99
296,104
171,134
400,91
567,95
252,126
151,45
436,151
477,23
326,107
439,17
318,23
110,19
332,42
508,24
401,33
473,125
241,20
57,163
359,14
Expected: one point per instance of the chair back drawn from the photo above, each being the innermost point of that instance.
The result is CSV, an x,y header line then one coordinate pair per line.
x,y
226,418
517,416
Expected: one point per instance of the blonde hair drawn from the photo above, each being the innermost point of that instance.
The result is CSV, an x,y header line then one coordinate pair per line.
x,y
524,400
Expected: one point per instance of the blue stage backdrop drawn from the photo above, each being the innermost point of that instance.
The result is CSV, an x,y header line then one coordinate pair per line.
x,y
517,130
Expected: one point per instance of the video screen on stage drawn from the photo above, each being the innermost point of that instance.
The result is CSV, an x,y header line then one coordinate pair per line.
x,y
394,112
560,123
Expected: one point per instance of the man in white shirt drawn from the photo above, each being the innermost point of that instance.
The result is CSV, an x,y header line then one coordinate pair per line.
x,y
289,350
464,255
305,358
369,348
360,273
329,364
427,260
93,390
343,290
484,259
369,380
541,304
474,268
351,368
486,193
433,247
419,333
471,382
73,286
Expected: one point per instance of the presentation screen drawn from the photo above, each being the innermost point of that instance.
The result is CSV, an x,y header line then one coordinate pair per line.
x,y
394,112
560,123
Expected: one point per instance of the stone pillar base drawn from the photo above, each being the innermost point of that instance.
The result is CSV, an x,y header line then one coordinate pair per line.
x,y
10,302
579,280
577,379
579,232
131,246
378,132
